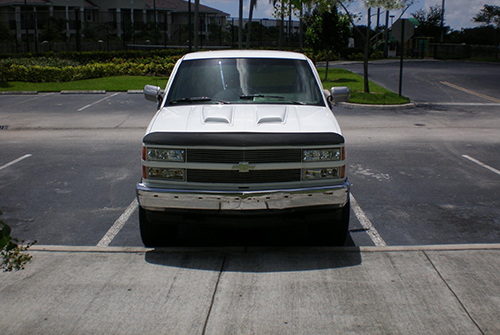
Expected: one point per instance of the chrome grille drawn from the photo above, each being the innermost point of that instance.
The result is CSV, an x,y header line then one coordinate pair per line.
x,y
237,156
236,177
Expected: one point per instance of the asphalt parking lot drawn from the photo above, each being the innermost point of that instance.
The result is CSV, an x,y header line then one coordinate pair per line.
x,y
425,175
422,256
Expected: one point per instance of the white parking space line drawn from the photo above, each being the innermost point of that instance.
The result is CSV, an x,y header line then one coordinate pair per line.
x,y
473,104
27,100
483,96
96,102
481,164
118,225
367,224
14,161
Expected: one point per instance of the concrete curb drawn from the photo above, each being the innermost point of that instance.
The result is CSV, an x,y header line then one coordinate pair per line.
x,y
411,248
341,104
377,107
18,92
84,92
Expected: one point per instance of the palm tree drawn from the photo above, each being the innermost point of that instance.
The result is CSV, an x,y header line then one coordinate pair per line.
x,y
253,5
282,19
196,24
240,26
301,5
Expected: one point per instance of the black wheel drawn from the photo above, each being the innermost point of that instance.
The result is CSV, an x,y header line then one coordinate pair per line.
x,y
156,234
331,233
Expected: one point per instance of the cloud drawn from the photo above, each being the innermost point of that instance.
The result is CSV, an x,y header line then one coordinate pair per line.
x,y
458,13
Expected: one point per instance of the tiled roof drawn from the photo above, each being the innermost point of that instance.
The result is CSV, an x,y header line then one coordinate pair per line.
x,y
170,5
28,2
89,4
182,6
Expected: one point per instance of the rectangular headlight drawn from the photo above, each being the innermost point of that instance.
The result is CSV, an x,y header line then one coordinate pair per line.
x,y
166,174
315,174
169,155
321,155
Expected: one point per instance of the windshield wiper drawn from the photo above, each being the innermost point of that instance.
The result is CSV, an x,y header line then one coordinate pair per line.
x,y
251,96
197,99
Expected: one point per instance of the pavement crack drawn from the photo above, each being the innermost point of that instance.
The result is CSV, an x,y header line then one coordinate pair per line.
x,y
453,292
214,294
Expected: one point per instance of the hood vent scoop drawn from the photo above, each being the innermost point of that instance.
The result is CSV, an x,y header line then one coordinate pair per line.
x,y
271,114
217,114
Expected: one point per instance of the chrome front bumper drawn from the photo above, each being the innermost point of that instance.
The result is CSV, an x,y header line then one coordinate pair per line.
x,y
157,199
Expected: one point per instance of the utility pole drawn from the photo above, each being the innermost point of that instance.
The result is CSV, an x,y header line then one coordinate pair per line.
x,y
442,22
386,47
376,29
189,25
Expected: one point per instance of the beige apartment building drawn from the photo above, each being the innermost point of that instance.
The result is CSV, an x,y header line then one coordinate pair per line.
x,y
73,18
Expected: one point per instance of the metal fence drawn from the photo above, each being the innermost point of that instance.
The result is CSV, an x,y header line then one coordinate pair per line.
x,y
461,51
41,31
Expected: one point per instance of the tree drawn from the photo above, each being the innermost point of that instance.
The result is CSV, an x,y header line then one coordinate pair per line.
x,y
327,31
5,35
485,35
488,15
430,22
253,5
54,30
369,4
196,29
240,26
279,11
302,9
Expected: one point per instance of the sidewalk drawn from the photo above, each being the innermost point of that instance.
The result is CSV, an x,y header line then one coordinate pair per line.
x,y
369,290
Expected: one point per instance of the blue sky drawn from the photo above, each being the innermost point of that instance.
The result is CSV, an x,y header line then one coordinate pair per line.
x,y
458,13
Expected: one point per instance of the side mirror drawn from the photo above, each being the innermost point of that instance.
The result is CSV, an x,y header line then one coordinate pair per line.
x,y
327,94
153,93
340,94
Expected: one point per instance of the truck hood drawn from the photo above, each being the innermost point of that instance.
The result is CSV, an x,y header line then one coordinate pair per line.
x,y
245,118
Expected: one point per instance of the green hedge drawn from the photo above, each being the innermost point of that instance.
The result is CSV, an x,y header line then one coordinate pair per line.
x,y
69,66
37,74
100,56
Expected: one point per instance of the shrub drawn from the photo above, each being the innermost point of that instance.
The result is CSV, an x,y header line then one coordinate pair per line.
x,y
377,55
119,67
13,255
355,56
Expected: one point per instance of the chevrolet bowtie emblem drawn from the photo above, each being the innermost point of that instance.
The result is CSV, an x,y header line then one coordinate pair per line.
x,y
243,167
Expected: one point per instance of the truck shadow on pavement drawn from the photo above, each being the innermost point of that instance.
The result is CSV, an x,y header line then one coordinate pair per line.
x,y
253,250
262,260
294,236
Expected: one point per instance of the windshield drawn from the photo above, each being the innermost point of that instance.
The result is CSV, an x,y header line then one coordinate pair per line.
x,y
245,80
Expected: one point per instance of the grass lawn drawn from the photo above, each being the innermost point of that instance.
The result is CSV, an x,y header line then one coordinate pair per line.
x,y
113,84
336,77
377,96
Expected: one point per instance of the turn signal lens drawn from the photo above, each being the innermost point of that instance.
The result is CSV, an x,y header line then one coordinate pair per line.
x,y
166,174
170,155
315,174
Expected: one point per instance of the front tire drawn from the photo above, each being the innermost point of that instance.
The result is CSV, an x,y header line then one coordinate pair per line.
x,y
156,234
331,233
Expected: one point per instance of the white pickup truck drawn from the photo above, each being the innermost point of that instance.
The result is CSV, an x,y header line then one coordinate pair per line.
x,y
244,138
